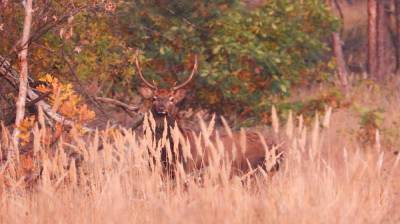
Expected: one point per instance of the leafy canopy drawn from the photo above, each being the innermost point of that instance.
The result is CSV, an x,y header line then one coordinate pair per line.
x,y
248,57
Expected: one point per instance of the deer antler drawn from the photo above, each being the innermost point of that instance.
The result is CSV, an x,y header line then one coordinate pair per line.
x,y
151,86
190,77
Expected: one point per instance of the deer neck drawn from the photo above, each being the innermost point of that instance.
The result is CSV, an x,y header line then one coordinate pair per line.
x,y
161,121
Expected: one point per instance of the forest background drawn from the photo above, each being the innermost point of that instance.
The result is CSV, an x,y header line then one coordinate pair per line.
x,y
252,54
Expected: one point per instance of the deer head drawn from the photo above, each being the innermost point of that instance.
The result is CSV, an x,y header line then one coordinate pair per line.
x,y
165,100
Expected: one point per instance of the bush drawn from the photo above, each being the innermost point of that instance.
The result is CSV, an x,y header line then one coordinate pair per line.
x,y
249,58
247,55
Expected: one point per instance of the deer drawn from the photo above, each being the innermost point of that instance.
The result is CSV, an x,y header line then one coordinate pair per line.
x,y
165,104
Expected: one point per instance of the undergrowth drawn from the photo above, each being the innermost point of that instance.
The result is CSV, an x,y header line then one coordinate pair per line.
x,y
318,182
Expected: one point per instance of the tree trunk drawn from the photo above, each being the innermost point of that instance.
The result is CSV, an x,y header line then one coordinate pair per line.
x,y
338,51
397,32
382,57
340,62
372,37
23,75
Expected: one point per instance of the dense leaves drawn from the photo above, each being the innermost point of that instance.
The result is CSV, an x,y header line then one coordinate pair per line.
x,y
249,57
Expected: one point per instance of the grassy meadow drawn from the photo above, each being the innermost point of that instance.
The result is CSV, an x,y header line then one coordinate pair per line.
x,y
327,175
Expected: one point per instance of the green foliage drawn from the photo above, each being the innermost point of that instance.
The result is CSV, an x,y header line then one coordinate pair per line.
x,y
95,52
248,58
371,120
330,97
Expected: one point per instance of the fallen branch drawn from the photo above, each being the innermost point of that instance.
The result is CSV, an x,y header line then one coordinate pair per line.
x,y
118,103
11,75
10,117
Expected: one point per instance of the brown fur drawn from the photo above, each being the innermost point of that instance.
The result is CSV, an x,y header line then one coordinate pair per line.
x,y
252,155
164,107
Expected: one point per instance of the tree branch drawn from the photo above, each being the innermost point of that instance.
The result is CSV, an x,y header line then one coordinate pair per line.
x,y
11,76
23,76
118,103
83,88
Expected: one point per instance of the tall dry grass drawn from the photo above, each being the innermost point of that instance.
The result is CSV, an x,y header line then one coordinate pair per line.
x,y
317,183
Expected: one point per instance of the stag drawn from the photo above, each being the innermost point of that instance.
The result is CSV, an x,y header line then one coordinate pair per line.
x,y
164,109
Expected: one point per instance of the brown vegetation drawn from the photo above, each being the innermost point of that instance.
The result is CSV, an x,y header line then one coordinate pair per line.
x,y
319,182
327,175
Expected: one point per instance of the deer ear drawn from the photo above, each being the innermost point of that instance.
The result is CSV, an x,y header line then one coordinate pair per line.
x,y
146,92
180,94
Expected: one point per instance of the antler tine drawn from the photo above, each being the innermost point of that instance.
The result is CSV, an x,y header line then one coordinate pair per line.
x,y
141,74
190,77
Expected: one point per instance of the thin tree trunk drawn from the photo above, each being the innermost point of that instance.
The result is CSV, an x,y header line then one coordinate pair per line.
x,y
337,49
372,37
23,75
397,32
340,62
382,38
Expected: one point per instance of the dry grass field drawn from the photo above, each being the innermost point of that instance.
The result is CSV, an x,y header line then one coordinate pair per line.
x,y
326,177
338,165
